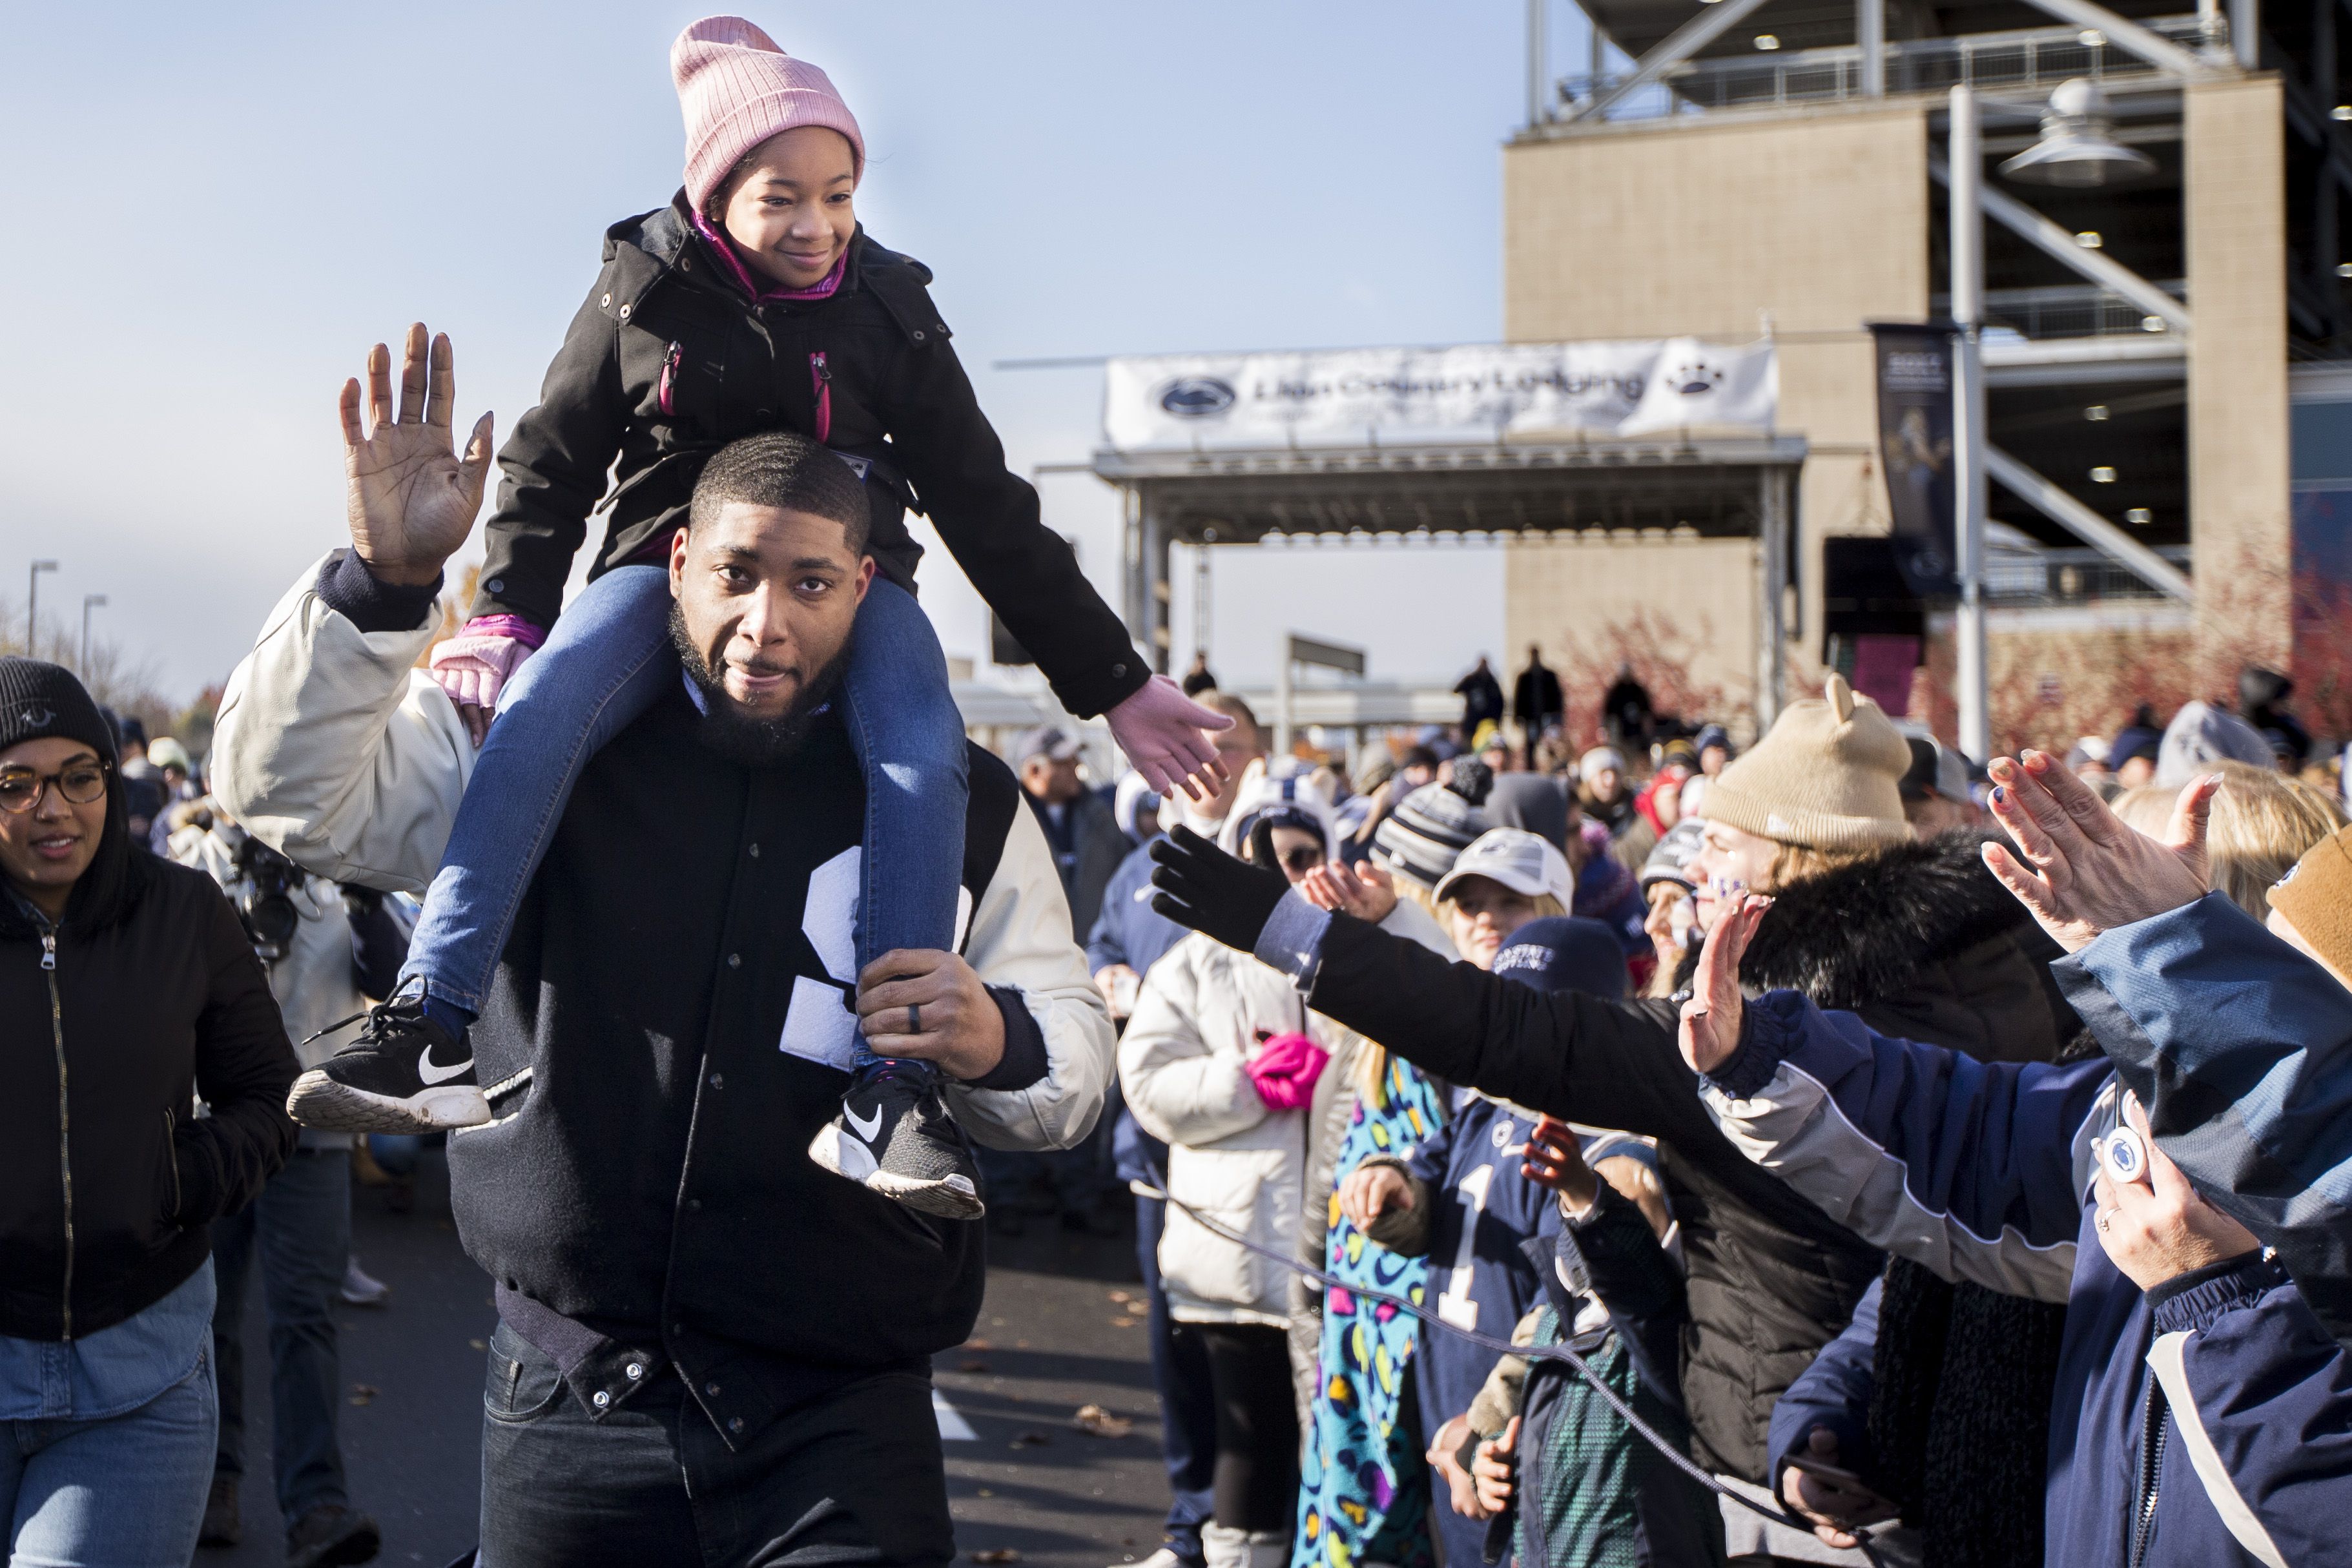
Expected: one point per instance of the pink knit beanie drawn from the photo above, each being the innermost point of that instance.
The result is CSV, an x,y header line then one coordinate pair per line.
x,y
737,90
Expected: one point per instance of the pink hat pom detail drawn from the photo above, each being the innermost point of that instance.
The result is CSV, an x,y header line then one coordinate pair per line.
x,y
736,89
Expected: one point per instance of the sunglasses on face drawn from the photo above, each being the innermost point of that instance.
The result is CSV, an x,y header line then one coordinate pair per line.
x,y
1306,857
21,788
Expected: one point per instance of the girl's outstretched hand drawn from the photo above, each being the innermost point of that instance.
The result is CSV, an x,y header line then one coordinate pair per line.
x,y
2084,870
1712,1017
1161,729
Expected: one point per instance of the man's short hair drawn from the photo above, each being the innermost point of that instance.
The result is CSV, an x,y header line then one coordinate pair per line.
x,y
785,469
1231,706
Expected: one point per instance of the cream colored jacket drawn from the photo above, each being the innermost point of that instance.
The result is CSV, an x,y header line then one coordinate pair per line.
x,y
333,749
1264,1173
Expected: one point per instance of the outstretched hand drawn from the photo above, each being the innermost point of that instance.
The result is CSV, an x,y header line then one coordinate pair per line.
x,y
1712,1016
1364,891
1163,733
1202,886
412,500
2085,872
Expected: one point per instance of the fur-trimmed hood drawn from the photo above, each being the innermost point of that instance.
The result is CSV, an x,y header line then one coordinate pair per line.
x,y
1863,931
1912,932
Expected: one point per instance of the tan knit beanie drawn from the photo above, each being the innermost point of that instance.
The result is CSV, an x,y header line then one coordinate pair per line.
x,y
2315,896
1825,776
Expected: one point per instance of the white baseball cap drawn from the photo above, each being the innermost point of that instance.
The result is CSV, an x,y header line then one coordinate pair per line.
x,y
1528,864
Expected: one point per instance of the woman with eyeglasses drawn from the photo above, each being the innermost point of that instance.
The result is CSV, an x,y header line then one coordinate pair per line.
x,y
128,988
1249,1090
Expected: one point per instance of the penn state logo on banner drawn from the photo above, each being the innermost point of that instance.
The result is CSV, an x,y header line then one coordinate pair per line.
x,y
1196,397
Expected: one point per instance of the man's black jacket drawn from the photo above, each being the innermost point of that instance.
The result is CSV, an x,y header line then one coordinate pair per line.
x,y
644,1193
667,361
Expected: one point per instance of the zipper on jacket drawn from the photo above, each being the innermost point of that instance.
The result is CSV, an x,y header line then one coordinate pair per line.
x,y
65,1119
2152,1475
671,360
172,1153
821,378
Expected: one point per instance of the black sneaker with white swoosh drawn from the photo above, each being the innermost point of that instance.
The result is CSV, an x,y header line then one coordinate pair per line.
x,y
895,1137
404,1074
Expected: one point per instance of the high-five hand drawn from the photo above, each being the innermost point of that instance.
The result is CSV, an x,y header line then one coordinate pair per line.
x,y
1711,1018
2084,872
412,499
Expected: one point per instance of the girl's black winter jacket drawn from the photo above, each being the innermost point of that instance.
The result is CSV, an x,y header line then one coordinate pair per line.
x,y
145,995
669,361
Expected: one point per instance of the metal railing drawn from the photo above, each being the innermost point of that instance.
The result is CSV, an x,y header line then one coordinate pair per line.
x,y
2036,57
2067,577
2067,310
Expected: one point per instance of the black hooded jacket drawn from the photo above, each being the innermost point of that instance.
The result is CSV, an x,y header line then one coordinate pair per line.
x,y
669,361
1923,943
1921,929
114,1019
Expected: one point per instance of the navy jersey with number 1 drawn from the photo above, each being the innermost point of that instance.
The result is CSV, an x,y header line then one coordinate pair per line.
x,y
1483,1211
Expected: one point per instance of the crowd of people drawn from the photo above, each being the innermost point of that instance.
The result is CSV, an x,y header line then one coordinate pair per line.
x,y
1693,1148
1857,1261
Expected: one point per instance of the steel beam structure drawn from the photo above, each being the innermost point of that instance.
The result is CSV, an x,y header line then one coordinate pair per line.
x,y
1772,590
1710,24
1870,33
2064,248
2152,47
2088,526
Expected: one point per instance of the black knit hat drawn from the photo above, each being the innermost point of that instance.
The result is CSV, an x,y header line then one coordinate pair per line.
x,y
38,698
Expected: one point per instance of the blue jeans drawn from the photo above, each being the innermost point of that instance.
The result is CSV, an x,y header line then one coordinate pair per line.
x,y
607,661
127,1491
302,1225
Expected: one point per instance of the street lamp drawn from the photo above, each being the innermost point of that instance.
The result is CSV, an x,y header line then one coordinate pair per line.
x,y
88,602
2078,149
32,607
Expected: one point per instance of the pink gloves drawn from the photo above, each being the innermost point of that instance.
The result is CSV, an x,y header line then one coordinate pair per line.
x,y
1159,728
1285,1070
474,666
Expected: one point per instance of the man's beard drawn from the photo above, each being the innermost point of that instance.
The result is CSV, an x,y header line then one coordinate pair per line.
x,y
753,740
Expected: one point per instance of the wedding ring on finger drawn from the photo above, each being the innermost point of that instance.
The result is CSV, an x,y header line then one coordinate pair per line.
x,y
914,1017
2101,1219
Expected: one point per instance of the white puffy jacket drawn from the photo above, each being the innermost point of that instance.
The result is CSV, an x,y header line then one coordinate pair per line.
x,y
1184,1067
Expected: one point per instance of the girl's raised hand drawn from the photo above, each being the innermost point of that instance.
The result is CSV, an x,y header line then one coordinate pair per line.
x,y
1162,731
1712,1017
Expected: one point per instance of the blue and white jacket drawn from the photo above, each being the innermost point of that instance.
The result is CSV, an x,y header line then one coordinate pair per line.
x,y
2241,1049
2207,1422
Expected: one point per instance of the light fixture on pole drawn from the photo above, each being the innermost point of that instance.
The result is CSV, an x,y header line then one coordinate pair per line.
x,y
1965,155
33,607
2078,149
88,602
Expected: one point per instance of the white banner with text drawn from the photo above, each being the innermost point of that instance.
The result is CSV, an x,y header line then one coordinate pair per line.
x,y
1433,396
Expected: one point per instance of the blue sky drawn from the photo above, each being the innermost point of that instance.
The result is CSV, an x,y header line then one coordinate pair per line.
x,y
220,207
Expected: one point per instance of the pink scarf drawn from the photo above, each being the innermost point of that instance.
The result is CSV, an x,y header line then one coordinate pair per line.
x,y
724,249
